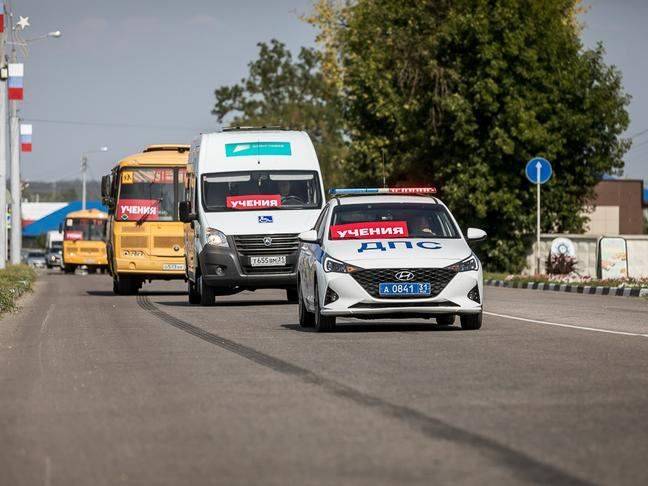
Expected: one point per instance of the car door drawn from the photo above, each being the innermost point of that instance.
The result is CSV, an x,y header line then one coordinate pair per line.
x,y
311,252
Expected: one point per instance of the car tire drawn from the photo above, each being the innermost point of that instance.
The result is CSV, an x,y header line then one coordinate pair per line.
x,y
322,323
445,320
306,318
207,293
194,294
471,322
292,296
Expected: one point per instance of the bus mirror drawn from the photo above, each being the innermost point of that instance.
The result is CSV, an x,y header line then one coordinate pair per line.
x,y
60,227
184,210
106,184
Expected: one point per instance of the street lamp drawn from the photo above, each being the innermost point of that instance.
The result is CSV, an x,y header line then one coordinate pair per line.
x,y
84,169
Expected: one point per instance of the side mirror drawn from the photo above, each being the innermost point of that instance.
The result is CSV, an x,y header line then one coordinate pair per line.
x,y
184,212
60,227
106,184
309,236
475,235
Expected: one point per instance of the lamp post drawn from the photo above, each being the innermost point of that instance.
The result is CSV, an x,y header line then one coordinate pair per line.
x,y
84,169
14,135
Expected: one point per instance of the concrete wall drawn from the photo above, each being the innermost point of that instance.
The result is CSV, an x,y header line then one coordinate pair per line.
x,y
586,253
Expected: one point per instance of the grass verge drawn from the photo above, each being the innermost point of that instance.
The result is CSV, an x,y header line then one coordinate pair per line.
x,y
15,280
568,279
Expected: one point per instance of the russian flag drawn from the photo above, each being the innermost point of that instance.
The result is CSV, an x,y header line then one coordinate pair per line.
x,y
2,20
25,138
15,81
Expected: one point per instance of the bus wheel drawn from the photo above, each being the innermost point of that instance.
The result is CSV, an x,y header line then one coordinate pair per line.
x,y
207,293
125,286
194,295
92,269
69,268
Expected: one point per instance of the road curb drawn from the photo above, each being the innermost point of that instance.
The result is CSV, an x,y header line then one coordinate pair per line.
x,y
577,289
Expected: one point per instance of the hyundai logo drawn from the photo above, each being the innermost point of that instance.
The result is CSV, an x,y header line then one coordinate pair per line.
x,y
404,276
267,241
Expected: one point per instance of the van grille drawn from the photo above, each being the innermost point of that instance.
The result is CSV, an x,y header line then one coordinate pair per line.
x,y
134,242
254,245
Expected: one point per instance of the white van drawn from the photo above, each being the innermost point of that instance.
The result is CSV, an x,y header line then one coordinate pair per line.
x,y
248,194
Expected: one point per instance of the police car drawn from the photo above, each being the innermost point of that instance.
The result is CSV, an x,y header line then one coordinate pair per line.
x,y
388,253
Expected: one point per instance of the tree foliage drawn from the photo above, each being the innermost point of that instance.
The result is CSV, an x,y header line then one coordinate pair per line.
x,y
281,91
462,93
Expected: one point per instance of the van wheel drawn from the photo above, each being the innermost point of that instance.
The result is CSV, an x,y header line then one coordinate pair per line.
x,y
322,323
306,319
471,322
207,293
292,296
194,295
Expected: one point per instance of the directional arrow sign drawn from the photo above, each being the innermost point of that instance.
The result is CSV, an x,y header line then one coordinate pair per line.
x,y
538,170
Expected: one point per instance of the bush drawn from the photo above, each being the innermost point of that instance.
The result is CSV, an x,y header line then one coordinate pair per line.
x,y
15,280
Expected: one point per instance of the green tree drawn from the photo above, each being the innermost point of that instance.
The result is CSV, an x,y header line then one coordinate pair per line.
x,y
280,91
462,93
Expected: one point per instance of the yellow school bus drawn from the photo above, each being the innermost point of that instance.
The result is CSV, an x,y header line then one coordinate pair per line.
x,y
145,236
84,234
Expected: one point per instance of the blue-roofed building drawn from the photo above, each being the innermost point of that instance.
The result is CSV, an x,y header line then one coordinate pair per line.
x,y
52,221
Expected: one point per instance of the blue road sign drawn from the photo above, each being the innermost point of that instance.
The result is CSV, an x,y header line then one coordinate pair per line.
x,y
538,170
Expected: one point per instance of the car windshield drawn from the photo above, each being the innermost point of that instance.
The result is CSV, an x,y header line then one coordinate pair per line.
x,y
149,194
84,229
266,190
57,245
391,220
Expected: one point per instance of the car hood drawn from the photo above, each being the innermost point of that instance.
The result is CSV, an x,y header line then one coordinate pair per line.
x,y
256,222
405,252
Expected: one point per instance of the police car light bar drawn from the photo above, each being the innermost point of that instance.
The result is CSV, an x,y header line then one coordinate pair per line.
x,y
383,190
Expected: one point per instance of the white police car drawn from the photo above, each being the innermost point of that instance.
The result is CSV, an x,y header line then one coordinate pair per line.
x,y
388,253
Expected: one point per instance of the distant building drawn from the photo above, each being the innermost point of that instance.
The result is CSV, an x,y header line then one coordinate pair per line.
x,y
618,208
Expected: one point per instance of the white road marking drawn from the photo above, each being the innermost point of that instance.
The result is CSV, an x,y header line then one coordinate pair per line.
x,y
571,326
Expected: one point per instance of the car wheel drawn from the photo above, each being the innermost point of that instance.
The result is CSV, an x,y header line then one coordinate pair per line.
x,y
306,319
322,323
291,295
207,293
194,295
445,320
471,322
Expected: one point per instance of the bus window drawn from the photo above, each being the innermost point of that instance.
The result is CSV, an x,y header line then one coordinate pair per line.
x,y
149,194
85,229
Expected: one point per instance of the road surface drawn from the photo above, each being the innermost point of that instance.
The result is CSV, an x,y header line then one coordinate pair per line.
x,y
99,389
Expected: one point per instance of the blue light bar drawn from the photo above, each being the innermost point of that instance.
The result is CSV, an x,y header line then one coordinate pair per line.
x,y
382,190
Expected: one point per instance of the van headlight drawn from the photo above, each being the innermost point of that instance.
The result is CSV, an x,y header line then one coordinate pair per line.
x,y
216,238
332,265
467,265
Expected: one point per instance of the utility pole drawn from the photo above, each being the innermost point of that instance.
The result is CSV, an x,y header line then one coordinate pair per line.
x,y
84,169
14,137
3,150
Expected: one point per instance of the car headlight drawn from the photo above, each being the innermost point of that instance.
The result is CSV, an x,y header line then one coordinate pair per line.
x,y
216,237
333,265
467,265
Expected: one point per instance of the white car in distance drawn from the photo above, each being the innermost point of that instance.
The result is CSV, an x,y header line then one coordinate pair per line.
x,y
388,253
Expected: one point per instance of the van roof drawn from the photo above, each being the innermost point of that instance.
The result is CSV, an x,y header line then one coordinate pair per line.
x,y
256,149
157,155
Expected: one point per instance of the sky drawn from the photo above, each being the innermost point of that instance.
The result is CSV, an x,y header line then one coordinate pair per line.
x,y
148,68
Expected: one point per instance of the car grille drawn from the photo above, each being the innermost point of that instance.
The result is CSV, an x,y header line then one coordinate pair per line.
x,y
370,279
253,245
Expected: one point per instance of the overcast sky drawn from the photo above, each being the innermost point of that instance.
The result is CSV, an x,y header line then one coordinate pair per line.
x,y
154,65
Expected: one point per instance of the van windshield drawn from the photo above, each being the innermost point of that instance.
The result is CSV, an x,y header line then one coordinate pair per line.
x,y
261,190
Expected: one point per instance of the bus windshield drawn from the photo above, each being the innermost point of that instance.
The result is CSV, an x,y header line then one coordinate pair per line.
x,y
85,229
266,190
149,194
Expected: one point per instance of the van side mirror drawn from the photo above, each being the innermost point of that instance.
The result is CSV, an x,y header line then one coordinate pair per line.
x,y
184,212
474,235
309,236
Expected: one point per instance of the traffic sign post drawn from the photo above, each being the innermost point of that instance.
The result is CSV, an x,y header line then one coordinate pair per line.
x,y
538,171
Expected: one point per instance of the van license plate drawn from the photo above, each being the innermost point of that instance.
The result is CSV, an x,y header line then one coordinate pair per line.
x,y
393,289
173,266
268,261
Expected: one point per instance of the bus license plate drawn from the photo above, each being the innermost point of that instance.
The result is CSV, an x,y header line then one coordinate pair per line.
x,y
394,289
268,261
173,266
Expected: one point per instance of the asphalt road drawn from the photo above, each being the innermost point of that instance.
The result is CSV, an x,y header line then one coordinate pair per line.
x,y
99,389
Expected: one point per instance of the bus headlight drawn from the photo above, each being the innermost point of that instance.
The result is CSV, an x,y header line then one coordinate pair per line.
x,y
216,238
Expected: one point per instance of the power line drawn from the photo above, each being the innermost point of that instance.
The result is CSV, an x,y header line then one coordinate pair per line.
x,y
638,134
113,125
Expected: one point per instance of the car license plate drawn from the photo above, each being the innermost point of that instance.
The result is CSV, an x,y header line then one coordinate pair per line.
x,y
268,261
395,289
173,266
